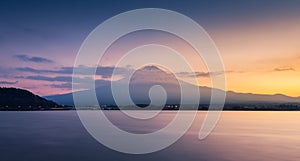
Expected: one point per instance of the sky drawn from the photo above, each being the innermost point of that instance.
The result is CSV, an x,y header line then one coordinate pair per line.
x,y
259,41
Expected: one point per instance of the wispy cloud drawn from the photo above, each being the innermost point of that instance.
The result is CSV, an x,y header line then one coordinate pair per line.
x,y
57,78
197,74
43,71
50,79
103,71
233,71
281,69
68,85
34,59
205,74
67,79
8,82
62,86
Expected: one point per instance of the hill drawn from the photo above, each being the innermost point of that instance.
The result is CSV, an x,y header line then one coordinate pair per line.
x,y
20,99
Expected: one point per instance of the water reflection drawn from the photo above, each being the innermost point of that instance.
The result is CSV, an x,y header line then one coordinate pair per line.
x,y
246,136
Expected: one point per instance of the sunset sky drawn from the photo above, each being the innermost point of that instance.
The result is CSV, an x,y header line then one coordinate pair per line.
x,y
259,41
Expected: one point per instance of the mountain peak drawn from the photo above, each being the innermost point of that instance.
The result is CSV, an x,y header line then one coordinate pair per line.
x,y
151,67
152,74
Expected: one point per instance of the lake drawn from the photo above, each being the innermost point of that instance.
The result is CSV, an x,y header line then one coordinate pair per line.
x,y
60,136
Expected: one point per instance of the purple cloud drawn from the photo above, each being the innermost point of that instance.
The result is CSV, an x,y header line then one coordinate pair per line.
x,y
34,59
8,82
104,71
62,86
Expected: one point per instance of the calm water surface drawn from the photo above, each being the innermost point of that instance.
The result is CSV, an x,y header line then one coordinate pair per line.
x,y
239,136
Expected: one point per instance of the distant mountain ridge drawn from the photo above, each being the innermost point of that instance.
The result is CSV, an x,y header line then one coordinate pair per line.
x,y
20,99
143,79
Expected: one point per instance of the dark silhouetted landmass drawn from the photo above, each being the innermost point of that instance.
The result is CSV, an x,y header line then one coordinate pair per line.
x,y
20,99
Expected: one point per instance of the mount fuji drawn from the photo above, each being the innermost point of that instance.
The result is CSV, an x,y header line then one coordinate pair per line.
x,y
143,79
